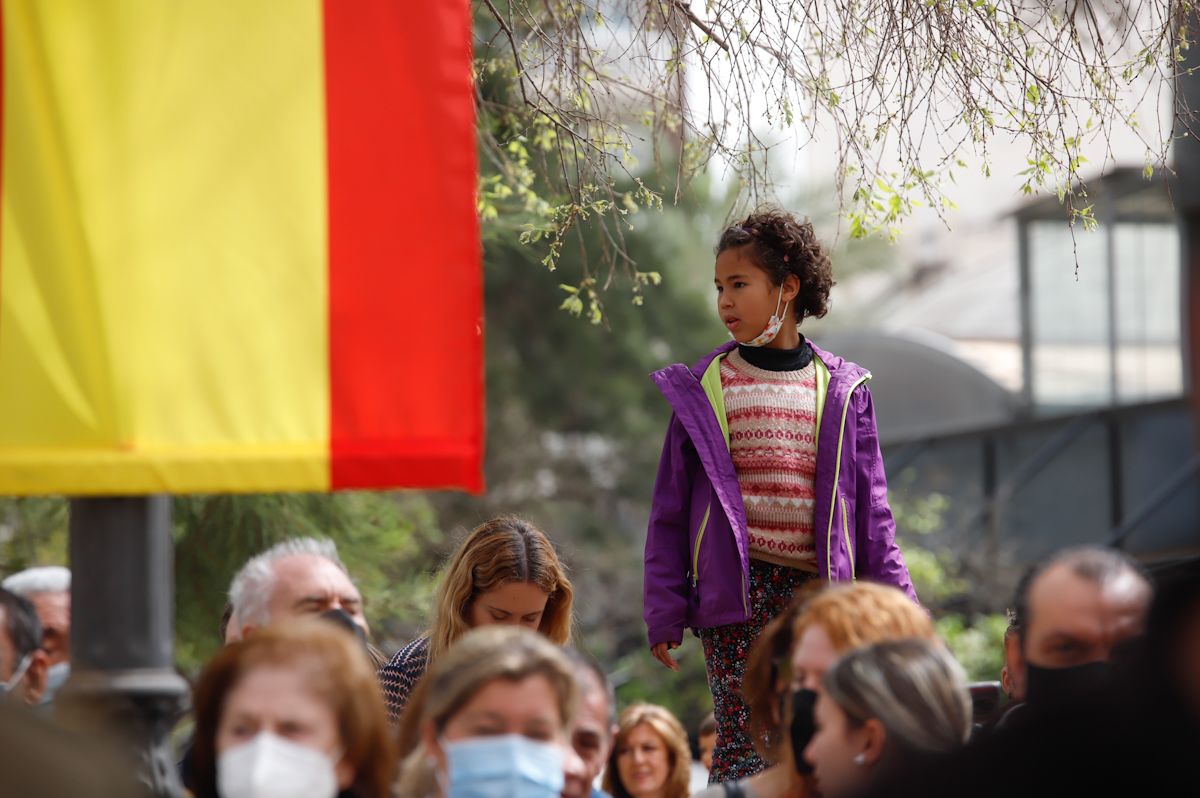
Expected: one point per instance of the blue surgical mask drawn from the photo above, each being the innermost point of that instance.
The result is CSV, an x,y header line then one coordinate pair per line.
x,y
56,675
506,766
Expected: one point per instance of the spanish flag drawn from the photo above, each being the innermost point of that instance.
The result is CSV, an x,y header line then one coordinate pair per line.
x,y
239,248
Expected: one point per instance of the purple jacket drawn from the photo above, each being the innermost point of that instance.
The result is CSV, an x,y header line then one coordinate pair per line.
x,y
697,547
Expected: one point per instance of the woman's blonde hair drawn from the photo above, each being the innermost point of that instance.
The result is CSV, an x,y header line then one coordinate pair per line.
x,y
503,550
857,613
915,688
669,729
336,670
479,657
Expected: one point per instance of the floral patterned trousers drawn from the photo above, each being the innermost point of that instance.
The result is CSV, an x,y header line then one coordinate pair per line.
x,y
725,652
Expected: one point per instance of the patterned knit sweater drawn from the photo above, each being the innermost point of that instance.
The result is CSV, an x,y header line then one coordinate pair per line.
x,y
772,419
401,674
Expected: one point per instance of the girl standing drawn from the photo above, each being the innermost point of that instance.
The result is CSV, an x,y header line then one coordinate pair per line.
x,y
771,473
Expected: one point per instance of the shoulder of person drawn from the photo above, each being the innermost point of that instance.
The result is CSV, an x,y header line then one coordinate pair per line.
x,y
413,653
836,365
703,363
728,789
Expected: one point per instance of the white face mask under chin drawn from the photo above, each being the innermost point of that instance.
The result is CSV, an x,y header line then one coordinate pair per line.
x,y
271,767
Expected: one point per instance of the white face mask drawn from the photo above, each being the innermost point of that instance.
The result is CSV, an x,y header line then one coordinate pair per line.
x,y
17,675
773,326
271,767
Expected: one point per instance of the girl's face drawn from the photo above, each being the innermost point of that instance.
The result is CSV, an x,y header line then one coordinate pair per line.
x,y
277,699
833,749
747,298
643,762
511,604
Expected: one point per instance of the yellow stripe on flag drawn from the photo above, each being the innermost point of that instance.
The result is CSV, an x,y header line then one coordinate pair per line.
x,y
163,287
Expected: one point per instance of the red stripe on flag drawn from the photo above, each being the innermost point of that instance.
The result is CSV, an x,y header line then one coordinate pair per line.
x,y
405,288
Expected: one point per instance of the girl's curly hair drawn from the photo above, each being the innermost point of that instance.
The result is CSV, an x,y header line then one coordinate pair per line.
x,y
781,245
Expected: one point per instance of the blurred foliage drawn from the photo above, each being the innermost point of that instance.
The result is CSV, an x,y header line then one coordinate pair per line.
x,y
33,531
977,643
940,578
386,540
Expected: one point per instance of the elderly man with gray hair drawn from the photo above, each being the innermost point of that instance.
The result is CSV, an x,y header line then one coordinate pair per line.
x,y
48,589
298,576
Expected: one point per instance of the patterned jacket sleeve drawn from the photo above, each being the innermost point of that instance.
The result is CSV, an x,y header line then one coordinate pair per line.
x,y
398,678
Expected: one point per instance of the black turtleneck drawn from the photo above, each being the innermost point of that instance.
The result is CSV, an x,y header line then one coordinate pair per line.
x,y
769,359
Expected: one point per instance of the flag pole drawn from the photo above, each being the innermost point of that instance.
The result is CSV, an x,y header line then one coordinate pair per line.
x,y
123,678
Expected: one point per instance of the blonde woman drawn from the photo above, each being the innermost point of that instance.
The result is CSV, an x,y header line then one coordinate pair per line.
x,y
506,573
884,706
650,756
493,710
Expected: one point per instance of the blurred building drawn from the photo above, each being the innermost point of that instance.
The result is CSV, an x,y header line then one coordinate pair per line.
x,y
1037,381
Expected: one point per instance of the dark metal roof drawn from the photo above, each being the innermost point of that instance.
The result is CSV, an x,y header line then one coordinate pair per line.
x,y
1123,194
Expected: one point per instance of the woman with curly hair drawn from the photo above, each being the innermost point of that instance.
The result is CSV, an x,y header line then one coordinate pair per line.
x,y
506,572
650,756
771,474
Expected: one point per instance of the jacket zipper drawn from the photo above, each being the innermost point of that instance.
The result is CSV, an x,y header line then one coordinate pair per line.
x,y
696,551
846,532
837,475
711,384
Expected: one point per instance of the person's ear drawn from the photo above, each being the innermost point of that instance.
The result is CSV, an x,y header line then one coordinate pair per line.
x,y
433,748
1016,668
791,288
35,676
344,772
874,737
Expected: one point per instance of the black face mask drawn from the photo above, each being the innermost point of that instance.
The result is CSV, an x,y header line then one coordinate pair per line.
x,y
340,617
803,727
1048,685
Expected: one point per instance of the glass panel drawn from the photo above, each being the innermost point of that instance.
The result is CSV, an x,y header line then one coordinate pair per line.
x,y
1149,361
1069,310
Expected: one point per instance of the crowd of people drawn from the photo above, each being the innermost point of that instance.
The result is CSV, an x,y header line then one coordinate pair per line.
x,y
849,689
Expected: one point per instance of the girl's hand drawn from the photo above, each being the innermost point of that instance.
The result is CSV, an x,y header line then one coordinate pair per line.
x,y
659,650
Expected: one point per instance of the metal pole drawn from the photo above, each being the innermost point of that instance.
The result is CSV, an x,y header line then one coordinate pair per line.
x,y
1110,274
1116,477
122,630
1026,309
